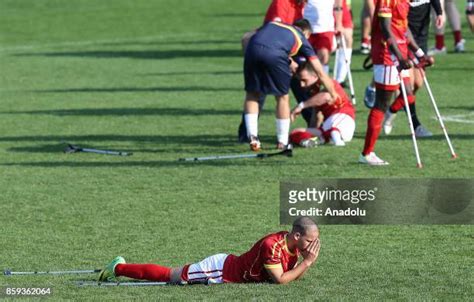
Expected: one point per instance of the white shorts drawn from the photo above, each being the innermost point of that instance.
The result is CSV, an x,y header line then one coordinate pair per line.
x,y
387,77
209,269
344,123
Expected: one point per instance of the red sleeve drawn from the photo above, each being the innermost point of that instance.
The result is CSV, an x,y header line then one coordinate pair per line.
x,y
271,253
277,10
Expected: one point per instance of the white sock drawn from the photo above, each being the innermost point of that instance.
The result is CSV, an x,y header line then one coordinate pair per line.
x,y
326,68
251,122
336,138
283,130
341,72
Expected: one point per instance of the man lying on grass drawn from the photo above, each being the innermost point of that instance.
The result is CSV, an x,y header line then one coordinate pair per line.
x,y
274,258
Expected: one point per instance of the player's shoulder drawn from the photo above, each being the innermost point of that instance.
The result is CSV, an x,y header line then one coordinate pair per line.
x,y
273,239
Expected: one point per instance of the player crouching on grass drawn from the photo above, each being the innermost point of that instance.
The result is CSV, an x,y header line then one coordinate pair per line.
x,y
274,258
338,123
268,70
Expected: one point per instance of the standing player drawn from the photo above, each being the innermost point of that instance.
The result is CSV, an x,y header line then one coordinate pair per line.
x,y
451,11
419,24
320,15
339,117
345,29
267,71
274,258
366,24
391,39
470,14
287,12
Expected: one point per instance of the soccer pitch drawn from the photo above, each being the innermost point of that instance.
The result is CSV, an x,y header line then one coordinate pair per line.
x,y
165,81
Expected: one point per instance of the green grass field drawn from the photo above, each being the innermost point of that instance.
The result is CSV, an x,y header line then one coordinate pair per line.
x,y
166,82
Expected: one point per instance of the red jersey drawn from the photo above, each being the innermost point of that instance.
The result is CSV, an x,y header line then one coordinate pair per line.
x,y
285,11
398,11
344,105
270,251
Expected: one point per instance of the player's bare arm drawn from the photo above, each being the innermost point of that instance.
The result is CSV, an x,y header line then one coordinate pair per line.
x,y
314,101
424,59
385,24
310,255
325,79
338,16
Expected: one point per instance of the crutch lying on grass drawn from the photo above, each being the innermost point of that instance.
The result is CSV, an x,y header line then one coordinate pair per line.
x,y
74,149
71,272
287,152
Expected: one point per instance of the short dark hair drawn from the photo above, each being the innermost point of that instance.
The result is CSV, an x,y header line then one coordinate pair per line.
x,y
303,24
303,224
305,66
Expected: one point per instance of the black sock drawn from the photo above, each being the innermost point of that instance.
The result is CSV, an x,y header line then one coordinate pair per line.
x,y
414,117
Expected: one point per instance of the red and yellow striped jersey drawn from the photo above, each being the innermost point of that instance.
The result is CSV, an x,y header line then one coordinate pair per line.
x,y
270,251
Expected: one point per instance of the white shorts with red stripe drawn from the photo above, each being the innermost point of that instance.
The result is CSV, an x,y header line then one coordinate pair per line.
x,y
386,77
341,122
209,269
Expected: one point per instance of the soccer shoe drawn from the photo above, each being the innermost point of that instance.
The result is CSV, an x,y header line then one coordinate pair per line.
x,y
309,143
372,160
459,47
108,273
365,48
255,143
421,131
369,97
388,122
437,51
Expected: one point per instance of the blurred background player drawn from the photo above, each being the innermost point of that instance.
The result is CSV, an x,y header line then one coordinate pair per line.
x,y
268,71
287,12
338,118
451,11
321,16
345,27
274,258
391,39
470,14
366,26
419,23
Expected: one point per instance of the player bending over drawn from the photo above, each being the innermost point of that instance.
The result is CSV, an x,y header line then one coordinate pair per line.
x,y
274,258
338,117
268,71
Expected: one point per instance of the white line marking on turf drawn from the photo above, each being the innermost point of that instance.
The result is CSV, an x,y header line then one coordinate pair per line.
x,y
459,118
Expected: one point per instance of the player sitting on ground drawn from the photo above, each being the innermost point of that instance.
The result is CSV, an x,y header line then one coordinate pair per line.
x,y
274,258
339,117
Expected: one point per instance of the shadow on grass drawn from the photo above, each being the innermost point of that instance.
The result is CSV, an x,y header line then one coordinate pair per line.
x,y
237,15
150,164
140,89
198,140
142,54
217,73
130,111
169,43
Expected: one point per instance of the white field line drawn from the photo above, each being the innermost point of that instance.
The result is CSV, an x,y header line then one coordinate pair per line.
x,y
459,118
